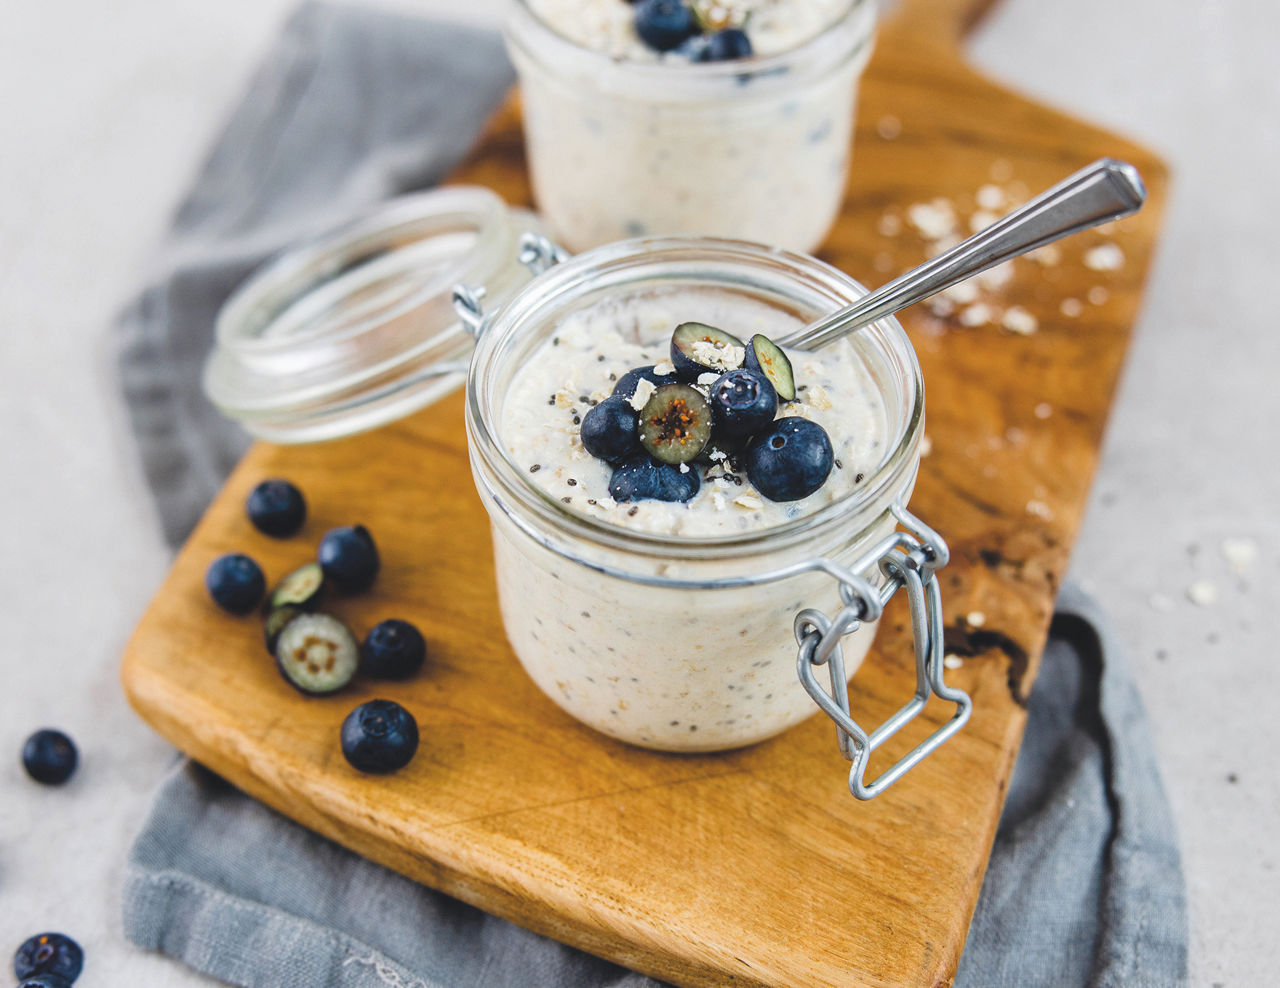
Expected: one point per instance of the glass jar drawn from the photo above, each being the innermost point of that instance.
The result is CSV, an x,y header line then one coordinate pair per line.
x,y
757,149
672,642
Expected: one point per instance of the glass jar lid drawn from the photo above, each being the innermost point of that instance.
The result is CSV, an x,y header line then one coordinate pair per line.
x,y
357,328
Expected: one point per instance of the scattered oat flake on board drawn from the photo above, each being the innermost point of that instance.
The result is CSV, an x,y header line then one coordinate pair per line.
x,y
1240,554
1071,307
996,278
982,219
1048,255
926,446
1039,509
975,619
1016,319
1043,410
952,661
889,127
1098,295
962,293
890,225
933,220
1104,257
1202,593
990,196
978,314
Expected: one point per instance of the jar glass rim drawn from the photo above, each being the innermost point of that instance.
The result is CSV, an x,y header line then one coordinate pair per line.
x,y
847,37
537,304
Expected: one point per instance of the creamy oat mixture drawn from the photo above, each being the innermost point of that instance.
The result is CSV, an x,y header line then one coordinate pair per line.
x,y
773,26
590,349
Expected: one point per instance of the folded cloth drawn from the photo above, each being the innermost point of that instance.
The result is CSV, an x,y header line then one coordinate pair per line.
x,y
1085,883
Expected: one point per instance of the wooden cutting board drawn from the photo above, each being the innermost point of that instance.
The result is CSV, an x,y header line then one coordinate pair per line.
x,y
757,866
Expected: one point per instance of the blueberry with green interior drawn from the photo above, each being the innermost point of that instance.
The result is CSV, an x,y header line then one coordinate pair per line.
x,y
642,479
742,401
663,24
628,382
675,423
790,459
349,558
277,508
767,357
697,349
50,757
317,654
609,430
235,582
302,589
275,623
394,649
49,953
728,45
44,981
379,736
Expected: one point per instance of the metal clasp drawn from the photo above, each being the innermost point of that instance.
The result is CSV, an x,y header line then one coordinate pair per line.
x,y
907,559
537,253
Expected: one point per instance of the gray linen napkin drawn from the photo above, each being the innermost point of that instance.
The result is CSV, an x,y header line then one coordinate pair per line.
x,y
1085,882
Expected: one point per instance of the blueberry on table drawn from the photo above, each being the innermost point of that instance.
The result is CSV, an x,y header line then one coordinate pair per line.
x,y
235,582
767,357
349,558
727,45
675,423
302,589
394,649
50,757
276,508
49,953
44,981
698,349
628,382
663,24
641,479
379,736
742,402
790,459
317,654
609,430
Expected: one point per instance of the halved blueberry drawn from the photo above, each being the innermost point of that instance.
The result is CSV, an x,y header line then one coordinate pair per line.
x,y
379,736
235,582
663,24
727,45
790,459
275,623
743,401
276,508
302,589
627,383
394,649
609,430
317,654
767,357
642,479
49,953
675,423
50,757
697,348
349,558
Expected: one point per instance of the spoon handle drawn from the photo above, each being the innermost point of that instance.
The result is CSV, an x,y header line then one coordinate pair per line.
x,y
1103,191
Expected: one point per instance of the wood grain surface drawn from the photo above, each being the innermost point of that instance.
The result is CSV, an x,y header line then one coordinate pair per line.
x,y
753,867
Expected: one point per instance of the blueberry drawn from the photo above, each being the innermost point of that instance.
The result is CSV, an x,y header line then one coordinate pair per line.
x,y
642,479
317,654
609,430
698,349
276,508
50,757
727,45
628,382
49,953
235,582
742,401
767,357
349,558
790,459
44,981
663,24
379,736
275,622
394,649
675,423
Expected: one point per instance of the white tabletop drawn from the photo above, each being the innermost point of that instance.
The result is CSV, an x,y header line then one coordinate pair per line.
x,y
108,109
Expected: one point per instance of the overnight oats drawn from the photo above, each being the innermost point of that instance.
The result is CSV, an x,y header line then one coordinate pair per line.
x,y
661,475
719,117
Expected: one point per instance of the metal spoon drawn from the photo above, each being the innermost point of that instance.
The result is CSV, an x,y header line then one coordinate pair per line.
x,y
1104,191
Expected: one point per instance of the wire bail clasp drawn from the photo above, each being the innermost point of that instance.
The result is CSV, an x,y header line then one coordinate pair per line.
x,y
537,253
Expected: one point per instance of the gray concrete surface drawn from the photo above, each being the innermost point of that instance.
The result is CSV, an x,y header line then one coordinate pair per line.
x,y
107,109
